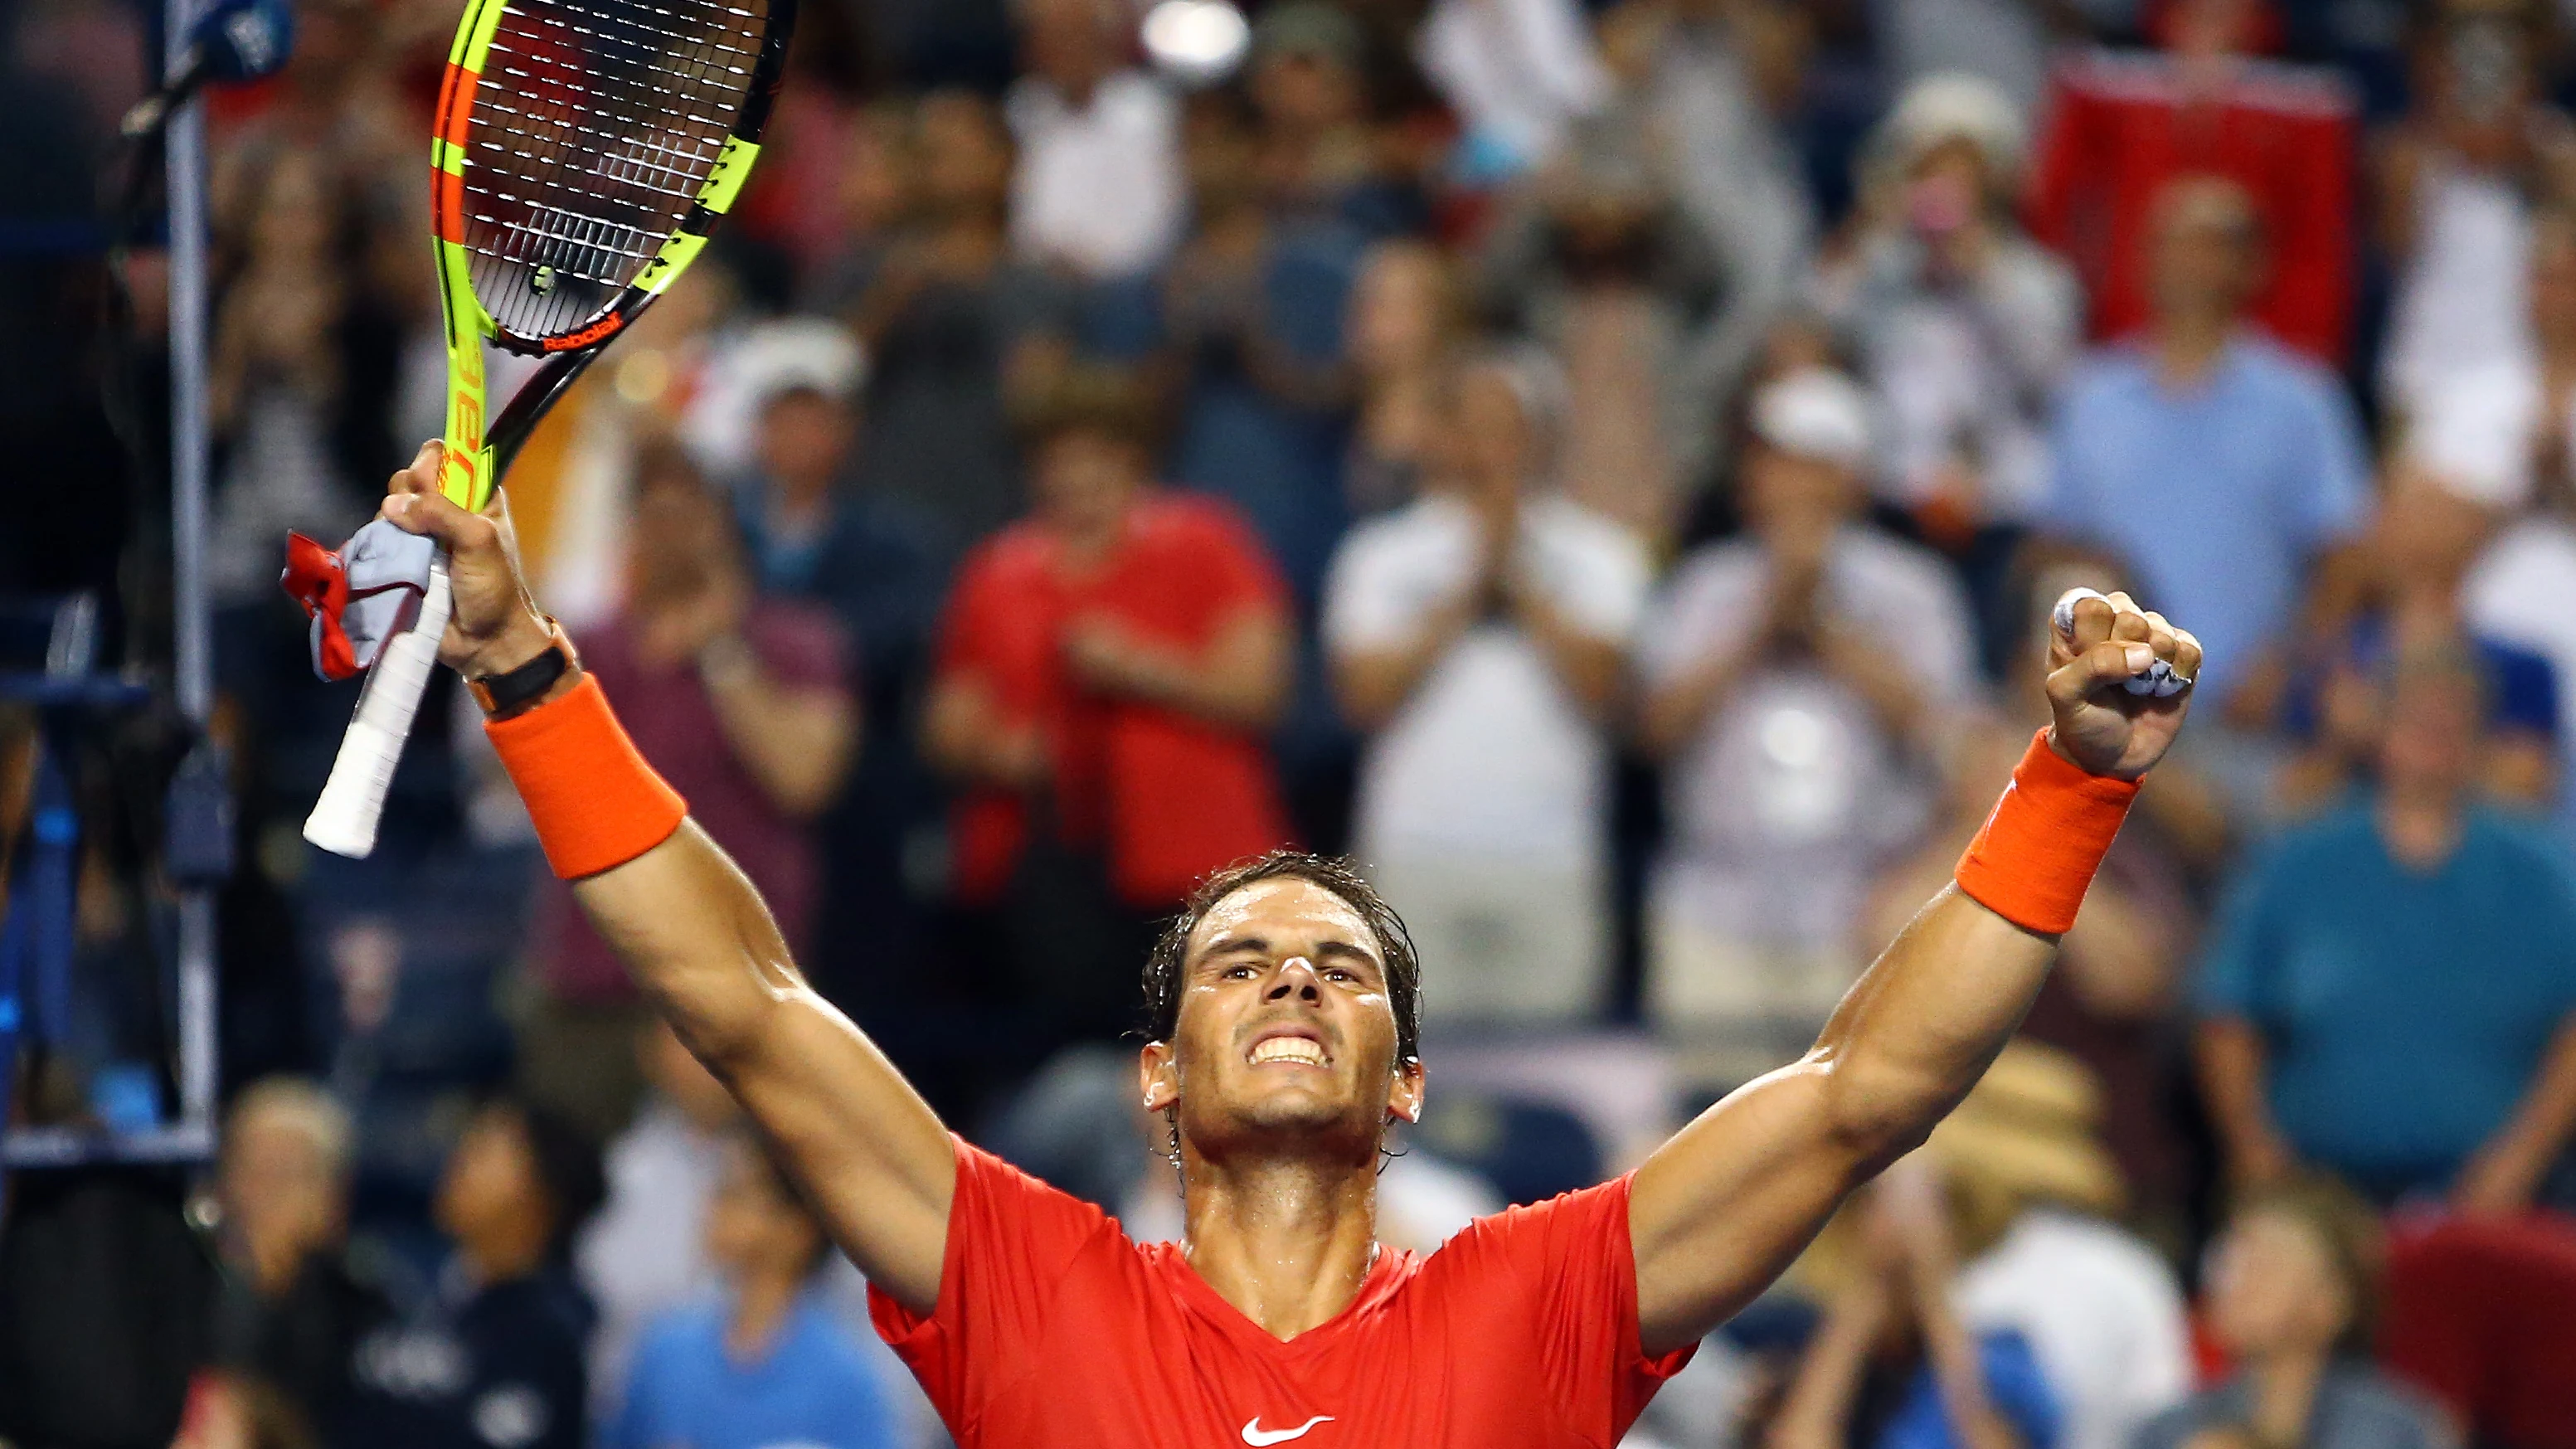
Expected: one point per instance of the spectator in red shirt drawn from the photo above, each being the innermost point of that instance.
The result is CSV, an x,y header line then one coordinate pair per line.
x,y
2121,126
1108,669
742,702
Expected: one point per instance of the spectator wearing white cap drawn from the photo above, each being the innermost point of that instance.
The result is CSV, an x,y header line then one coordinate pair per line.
x,y
1962,324
818,528
1477,636
1789,743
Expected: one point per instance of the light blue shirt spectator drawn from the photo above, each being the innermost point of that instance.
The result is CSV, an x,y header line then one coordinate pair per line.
x,y
812,1388
2404,1012
2216,496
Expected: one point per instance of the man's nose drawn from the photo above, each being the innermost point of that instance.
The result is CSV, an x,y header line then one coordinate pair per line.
x,y
1295,976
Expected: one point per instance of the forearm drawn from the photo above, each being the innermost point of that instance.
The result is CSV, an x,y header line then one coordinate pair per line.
x,y
796,743
1817,1411
1924,1021
1240,680
2230,1056
2542,1121
1892,694
1587,665
1671,714
1959,1372
697,939
1373,684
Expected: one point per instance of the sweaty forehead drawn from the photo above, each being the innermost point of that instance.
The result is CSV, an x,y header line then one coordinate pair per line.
x,y
1280,910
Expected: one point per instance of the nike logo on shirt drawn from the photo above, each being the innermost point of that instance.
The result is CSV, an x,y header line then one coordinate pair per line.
x,y
1256,1436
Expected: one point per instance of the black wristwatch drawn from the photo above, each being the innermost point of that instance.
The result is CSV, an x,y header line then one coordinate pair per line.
x,y
507,693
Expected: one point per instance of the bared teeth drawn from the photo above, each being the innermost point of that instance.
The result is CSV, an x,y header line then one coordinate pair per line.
x,y
1288,1049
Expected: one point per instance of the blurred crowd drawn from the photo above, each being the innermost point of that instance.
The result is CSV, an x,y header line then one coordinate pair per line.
x,y
1605,465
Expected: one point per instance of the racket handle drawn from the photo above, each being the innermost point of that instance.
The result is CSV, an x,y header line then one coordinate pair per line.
x,y
344,820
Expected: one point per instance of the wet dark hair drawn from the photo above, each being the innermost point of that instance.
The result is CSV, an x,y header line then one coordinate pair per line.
x,y
1164,966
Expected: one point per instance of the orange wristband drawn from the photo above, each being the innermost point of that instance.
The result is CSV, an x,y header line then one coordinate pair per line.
x,y
2038,852
596,803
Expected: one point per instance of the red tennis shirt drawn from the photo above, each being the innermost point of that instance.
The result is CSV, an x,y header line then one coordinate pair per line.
x,y
1054,1331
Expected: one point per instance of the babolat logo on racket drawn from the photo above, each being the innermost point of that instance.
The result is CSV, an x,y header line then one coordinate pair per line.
x,y
587,335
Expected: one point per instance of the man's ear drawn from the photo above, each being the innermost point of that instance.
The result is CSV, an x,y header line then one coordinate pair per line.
x,y
1404,1092
1158,1076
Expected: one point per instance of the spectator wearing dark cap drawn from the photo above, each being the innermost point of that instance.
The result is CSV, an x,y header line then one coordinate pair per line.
x,y
952,323
2290,1294
2390,992
492,1358
1793,752
1308,83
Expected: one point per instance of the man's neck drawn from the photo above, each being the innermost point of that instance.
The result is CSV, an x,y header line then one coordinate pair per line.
x,y
1288,1243
2420,827
2187,348
503,1257
2285,1394
761,1304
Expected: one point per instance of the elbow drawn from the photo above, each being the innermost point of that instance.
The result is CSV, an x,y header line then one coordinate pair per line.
x,y
1872,1117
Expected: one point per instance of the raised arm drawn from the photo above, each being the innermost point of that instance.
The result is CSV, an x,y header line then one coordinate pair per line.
x,y
1721,1209
867,1150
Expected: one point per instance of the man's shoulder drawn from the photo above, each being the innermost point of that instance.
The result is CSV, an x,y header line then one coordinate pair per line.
x,y
2273,372
1719,564
2112,375
1580,525
2362,1407
1187,520
686,1334
2328,841
1426,525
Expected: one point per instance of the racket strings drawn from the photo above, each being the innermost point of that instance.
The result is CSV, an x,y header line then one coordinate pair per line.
x,y
595,124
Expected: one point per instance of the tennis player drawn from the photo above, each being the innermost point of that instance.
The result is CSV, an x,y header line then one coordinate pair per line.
x,y
1282,1007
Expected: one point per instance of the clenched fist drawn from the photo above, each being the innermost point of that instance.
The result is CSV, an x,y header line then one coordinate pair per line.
x,y
2102,724
496,626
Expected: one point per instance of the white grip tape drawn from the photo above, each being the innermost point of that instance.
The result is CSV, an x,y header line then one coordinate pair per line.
x,y
2158,680
343,821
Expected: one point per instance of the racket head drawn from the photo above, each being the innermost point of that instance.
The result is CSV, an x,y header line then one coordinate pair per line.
x,y
584,151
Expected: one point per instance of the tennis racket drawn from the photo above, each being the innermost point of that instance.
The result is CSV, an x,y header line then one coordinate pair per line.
x,y
583,152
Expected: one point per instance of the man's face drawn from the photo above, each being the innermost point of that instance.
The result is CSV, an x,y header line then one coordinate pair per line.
x,y
680,532
1286,1031
1487,435
2272,1287
1085,479
2206,249
1788,494
2436,732
751,1227
280,1191
491,1178
801,439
